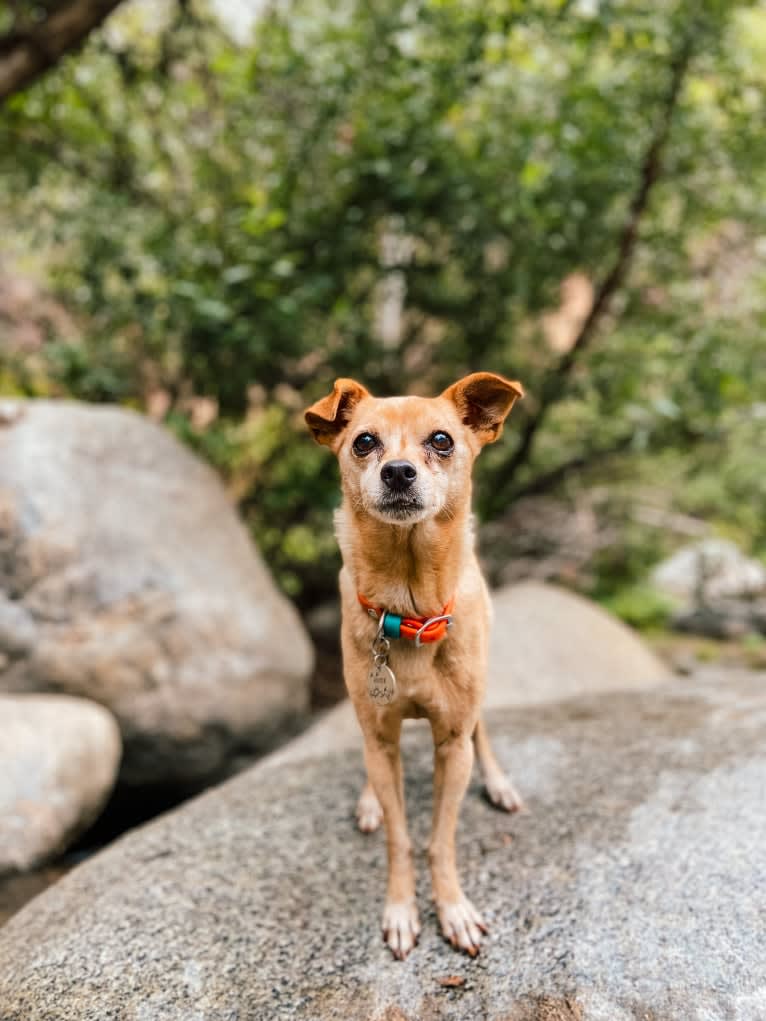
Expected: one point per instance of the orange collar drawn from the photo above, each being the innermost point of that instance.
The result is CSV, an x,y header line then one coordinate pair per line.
x,y
418,629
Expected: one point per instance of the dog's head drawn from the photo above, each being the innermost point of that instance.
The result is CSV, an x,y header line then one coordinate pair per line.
x,y
405,459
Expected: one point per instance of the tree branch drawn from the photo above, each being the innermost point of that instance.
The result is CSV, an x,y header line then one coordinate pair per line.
x,y
28,52
554,385
581,462
586,460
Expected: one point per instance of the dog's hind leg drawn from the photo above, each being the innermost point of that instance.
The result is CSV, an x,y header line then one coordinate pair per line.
x,y
369,813
499,788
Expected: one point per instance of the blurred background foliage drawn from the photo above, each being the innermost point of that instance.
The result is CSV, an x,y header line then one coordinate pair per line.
x,y
569,193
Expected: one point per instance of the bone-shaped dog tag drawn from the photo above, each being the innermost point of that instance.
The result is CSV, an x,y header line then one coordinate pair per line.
x,y
381,682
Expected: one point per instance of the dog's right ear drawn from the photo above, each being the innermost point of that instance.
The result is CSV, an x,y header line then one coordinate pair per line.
x,y
329,417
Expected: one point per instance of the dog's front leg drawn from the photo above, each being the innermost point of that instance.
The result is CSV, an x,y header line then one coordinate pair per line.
x,y
401,926
461,923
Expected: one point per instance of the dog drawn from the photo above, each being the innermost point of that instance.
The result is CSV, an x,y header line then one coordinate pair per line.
x,y
416,617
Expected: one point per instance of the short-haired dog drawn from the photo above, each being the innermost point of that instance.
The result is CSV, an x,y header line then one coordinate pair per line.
x,y
416,617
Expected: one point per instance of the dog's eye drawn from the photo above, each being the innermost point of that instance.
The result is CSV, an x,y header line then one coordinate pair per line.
x,y
441,442
364,443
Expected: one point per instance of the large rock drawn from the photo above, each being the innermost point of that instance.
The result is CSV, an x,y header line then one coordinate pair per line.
x,y
59,758
633,888
720,593
710,569
128,579
547,644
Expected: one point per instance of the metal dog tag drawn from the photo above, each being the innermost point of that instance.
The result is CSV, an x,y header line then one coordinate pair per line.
x,y
381,682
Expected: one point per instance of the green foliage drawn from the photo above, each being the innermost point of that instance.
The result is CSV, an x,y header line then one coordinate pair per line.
x,y
641,606
225,221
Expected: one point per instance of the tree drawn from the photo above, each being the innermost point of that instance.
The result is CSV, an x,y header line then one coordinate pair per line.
x,y
41,33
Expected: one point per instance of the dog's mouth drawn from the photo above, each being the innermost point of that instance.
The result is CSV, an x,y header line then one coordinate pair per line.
x,y
400,507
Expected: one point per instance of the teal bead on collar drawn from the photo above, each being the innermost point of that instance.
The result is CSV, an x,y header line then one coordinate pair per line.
x,y
392,625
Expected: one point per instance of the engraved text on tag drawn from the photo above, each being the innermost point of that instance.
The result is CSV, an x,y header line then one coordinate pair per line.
x,y
381,683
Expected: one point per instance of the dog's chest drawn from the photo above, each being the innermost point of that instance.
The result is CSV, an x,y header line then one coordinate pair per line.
x,y
415,673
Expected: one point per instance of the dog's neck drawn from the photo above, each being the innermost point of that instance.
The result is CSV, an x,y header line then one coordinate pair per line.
x,y
413,570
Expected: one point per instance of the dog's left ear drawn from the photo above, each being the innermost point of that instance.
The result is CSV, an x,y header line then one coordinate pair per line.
x,y
329,417
483,401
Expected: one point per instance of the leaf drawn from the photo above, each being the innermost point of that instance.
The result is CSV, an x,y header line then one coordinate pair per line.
x,y
236,274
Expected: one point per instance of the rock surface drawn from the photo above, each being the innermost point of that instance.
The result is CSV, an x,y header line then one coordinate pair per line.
x,y
711,569
547,644
59,758
723,619
128,579
633,889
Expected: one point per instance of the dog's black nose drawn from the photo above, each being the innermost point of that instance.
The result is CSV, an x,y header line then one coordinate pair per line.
x,y
398,475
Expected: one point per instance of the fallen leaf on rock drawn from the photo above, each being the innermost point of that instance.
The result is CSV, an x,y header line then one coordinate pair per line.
x,y
451,981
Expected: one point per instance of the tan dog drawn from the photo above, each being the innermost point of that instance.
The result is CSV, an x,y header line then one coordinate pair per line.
x,y
405,533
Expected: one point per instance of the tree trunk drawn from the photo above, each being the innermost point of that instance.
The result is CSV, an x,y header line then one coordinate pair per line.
x,y
26,52
554,386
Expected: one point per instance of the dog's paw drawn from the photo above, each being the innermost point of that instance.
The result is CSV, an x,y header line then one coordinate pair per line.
x,y
401,927
462,925
503,795
369,814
